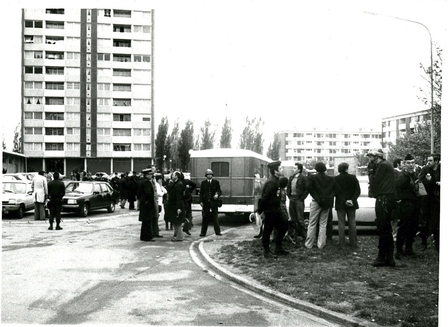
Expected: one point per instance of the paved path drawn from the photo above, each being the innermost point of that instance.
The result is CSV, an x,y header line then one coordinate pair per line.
x,y
98,271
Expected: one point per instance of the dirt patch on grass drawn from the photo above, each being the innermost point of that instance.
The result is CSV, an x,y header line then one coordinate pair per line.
x,y
342,279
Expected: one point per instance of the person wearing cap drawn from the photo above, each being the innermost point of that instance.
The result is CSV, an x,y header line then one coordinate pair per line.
x,y
270,205
383,190
406,190
323,189
39,185
430,177
347,203
210,192
297,193
147,208
175,206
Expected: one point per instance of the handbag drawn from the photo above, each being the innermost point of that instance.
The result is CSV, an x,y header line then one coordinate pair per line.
x,y
421,191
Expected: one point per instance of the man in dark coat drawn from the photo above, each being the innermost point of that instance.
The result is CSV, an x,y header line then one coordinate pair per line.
x,y
269,204
148,210
297,193
132,186
383,189
347,203
175,206
209,195
56,191
323,189
123,190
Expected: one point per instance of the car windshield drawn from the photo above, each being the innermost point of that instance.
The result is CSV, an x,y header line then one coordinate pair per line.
x,y
18,188
79,187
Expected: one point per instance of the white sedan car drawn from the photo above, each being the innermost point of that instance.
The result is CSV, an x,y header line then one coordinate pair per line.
x,y
17,197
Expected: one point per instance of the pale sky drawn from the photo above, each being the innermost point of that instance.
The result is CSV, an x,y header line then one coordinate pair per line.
x,y
294,63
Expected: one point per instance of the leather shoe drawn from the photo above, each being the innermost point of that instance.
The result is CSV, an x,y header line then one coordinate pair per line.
x,y
58,227
187,232
219,234
201,235
159,236
281,252
50,228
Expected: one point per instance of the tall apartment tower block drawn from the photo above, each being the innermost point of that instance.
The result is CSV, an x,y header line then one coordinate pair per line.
x,y
87,89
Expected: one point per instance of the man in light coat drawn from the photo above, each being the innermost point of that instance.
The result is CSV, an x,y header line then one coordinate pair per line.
x,y
39,186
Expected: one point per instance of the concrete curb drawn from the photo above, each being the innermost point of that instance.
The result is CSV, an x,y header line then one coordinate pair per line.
x,y
260,289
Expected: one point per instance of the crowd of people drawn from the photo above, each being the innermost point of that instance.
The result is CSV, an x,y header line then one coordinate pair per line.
x,y
407,204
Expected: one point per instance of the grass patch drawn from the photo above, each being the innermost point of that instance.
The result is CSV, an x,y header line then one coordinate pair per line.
x,y
342,279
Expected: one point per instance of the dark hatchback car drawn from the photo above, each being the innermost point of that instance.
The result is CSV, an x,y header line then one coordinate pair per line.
x,y
85,196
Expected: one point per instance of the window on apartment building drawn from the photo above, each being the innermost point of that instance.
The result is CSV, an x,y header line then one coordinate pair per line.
x,y
103,87
107,12
54,101
298,135
33,100
54,116
53,11
122,117
73,146
332,151
33,24
103,146
122,102
122,147
73,131
142,58
54,70
103,101
346,143
33,54
366,136
332,143
142,29
142,132
73,101
122,87
319,143
121,72
54,131
121,43
54,85
34,39
54,25
54,55
142,147
54,146
122,13
121,132
319,135
73,85
33,130
300,142
32,146
103,131
33,85
104,56
73,55
122,57
122,28
33,115
331,135
146,119
73,116
54,40
33,70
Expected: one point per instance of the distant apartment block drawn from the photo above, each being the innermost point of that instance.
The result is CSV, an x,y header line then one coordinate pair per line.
x,y
325,144
396,126
87,89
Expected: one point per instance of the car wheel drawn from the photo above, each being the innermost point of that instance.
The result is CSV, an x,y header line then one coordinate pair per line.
x,y
20,213
84,211
111,207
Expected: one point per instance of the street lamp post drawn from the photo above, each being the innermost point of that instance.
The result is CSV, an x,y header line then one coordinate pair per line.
x,y
431,71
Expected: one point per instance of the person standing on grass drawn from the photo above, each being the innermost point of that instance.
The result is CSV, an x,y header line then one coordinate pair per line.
x,y
430,177
383,190
347,203
270,205
406,190
56,191
323,189
297,193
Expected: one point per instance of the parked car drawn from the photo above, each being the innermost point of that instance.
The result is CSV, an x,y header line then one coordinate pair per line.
x,y
17,197
101,176
86,196
17,176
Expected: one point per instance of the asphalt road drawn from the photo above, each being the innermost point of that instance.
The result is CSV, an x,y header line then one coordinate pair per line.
x,y
97,271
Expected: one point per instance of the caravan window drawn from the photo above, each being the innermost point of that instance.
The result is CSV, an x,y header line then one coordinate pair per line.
x,y
221,169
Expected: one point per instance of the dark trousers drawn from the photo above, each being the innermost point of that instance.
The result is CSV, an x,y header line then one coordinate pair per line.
x,y
408,225
210,214
55,211
274,220
434,221
146,231
384,206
